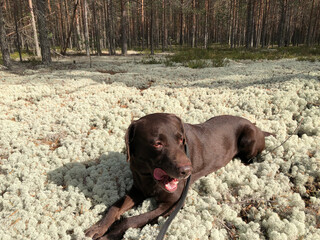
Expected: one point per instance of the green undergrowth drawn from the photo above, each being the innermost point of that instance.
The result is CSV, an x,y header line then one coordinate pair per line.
x,y
219,56
26,56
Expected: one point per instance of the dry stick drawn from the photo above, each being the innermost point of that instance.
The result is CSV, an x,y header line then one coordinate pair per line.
x,y
13,213
14,222
270,151
229,230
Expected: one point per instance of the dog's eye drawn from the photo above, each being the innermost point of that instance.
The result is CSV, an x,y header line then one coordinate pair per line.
x,y
157,144
179,137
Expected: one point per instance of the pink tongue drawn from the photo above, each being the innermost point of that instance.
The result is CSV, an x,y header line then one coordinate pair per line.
x,y
170,184
159,174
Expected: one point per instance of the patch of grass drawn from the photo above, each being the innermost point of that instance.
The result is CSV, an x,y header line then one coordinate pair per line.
x,y
27,57
309,59
146,51
198,63
219,62
218,54
15,56
24,55
167,62
151,60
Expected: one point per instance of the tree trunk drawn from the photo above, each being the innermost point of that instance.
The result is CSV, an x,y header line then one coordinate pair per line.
x,y
34,29
250,28
193,23
16,13
142,24
96,29
151,28
43,34
130,25
79,39
112,46
67,24
310,25
156,28
86,27
164,27
316,27
282,23
3,40
181,24
230,22
259,24
233,23
65,45
265,24
124,44
206,27
60,23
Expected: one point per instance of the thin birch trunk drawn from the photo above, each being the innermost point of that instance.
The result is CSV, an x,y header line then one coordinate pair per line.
x,y
34,29
86,28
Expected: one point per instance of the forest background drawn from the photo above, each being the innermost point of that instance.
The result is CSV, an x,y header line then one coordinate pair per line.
x,y
46,27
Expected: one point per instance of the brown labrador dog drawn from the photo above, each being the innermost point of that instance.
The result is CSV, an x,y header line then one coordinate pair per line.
x,y
156,151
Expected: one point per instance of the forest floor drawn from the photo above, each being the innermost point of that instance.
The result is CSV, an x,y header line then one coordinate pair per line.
x,y
62,158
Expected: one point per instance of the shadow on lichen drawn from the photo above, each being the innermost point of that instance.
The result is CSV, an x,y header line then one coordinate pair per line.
x,y
104,180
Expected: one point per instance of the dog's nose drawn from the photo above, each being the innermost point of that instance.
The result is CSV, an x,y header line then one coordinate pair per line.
x,y
185,171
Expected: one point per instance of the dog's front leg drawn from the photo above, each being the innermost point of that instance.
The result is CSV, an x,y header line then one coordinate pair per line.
x,y
117,231
113,214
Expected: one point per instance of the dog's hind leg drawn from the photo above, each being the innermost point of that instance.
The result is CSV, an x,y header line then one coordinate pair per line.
x,y
250,143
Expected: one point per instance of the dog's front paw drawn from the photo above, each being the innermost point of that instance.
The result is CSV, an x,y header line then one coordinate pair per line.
x,y
95,231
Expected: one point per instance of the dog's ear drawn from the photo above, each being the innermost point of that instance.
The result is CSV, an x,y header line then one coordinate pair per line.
x,y
183,131
182,127
128,140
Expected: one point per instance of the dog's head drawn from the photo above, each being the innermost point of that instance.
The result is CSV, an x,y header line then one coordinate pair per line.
x,y
156,145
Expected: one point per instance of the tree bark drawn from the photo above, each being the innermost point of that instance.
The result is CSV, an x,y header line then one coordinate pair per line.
x,y
310,25
86,27
164,27
16,13
78,31
3,40
65,45
249,30
206,24
67,24
112,46
151,28
181,24
265,24
34,29
43,34
142,24
194,23
124,44
96,29
282,23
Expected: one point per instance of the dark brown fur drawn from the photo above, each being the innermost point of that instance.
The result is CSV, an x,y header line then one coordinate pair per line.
x,y
211,145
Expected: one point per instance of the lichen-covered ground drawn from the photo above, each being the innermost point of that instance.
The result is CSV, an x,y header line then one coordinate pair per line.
x,y
62,159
